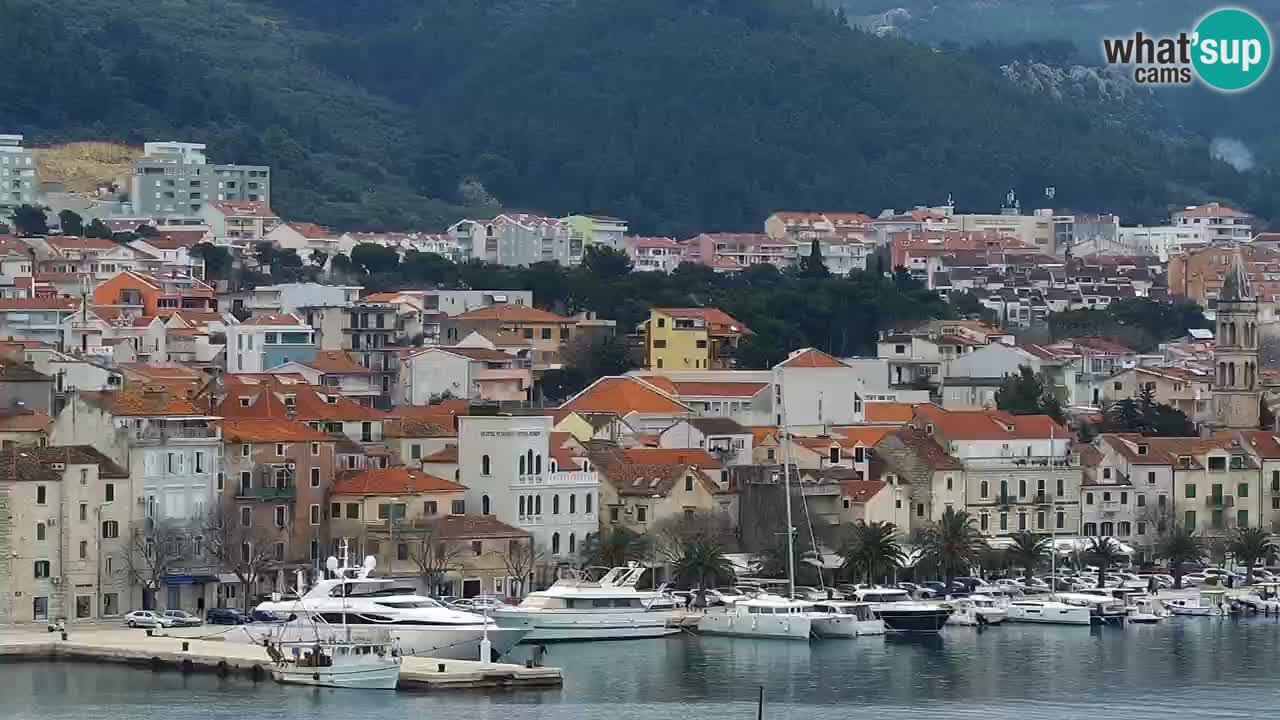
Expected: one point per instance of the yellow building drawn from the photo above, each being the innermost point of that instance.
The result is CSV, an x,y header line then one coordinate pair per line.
x,y
692,339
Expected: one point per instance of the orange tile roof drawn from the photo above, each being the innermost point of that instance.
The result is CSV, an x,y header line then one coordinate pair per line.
x,y
393,481
143,403
810,358
309,405
513,313
42,303
70,242
465,527
336,362
865,434
624,395
312,231
718,389
988,424
26,422
926,449
270,431
861,491
672,456
417,427
717,320
760,433
888,412
446,454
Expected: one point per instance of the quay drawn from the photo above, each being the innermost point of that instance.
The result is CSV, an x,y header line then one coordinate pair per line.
x,y
187,655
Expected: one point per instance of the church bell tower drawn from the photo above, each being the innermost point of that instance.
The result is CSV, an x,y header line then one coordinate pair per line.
x,y
1236,390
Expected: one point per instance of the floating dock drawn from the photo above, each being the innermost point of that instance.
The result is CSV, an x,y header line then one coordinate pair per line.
x,y
225,659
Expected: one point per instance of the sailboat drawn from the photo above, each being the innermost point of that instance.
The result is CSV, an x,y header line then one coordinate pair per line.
x,y
765,615
336,659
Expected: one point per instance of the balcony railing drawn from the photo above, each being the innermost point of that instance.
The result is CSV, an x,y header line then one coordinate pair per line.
x,y
1038,462
269,492
167,433
1219,501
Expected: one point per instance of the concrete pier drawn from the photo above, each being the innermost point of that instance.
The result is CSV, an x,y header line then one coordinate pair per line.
x,y
134,647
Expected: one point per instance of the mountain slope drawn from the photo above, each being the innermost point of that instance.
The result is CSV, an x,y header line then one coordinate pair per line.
x,y
681,115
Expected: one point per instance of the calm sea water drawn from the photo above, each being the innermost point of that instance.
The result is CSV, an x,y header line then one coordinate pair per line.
x,y
1188,667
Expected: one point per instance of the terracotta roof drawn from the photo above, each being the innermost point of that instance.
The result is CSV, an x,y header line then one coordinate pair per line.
x,y
648,480
287,319
33,463
42,303
888,412
241,208
1212,209
312,231
162,372
18,371
718,426
926,449
864,434
446,454
761,433
987,424
270,431
1265,444
860,491
624,395
810,358
1164,450
146,402
465,527
715,389
310,405
336,362
417,427
512,313
25,422
717,321
672,456
474,353
71,242
392,481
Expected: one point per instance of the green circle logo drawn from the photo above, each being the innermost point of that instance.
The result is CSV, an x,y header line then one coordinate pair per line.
x,y
1231,49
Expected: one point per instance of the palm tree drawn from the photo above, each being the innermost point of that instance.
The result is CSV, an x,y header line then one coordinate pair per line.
x,y
614,547
1249,546
1106,552
872,549
701,559
1028,550
1181,545
954,543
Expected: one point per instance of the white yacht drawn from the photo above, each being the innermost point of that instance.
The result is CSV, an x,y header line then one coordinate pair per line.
x,y
417,624
575,608
976,610
1104,609
1209,603
902,614
844,618
1048,611
763,616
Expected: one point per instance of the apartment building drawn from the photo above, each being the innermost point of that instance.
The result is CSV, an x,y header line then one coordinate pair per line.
x,y
17,174
1216,222
692,339
175,179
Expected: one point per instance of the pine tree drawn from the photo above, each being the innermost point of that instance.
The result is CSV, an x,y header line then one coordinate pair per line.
x,y
814,266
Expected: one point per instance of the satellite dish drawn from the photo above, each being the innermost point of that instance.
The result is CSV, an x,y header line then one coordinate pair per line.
x,y
370,562
332,564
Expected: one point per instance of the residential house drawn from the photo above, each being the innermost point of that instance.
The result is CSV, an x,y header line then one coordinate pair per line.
x,y
545,331
692,338
640,405
175,179
151,295
336,372
1128,489
415,440
661,254
934,481
1185,389
92,259
267,396
263,342
742,249
972,379
597,230
642,496
474,373
239,222
44,320
723,437
1217,223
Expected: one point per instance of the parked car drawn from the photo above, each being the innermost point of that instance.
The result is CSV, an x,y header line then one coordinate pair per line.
x,y
908,586
182,618
1163,582
814,594
225,616
148,619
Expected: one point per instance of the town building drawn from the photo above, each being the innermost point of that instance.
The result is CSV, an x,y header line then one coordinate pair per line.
x,y
1236,390
597,230
239,222
17,174
545,331
660,254
692,339
1217,223
263,342
471,373
148,295
175,180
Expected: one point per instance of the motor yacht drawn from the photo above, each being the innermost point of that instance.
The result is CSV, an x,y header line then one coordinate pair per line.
x,y
576,608
1209,603
844,618
976,610
1048,611
1104,608
417,624
902,614
762,616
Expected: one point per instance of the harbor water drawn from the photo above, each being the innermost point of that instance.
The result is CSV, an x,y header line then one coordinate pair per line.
x,y
1187,667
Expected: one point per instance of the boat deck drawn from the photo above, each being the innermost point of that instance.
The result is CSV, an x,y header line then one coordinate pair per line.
x,y
160,652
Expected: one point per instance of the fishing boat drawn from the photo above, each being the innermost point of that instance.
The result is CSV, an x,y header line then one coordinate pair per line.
x,y
577,608
843,619
336,663
1145,611
763,616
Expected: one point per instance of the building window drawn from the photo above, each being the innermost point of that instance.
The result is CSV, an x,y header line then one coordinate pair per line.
x,y
484,465
315,477
458,507
659,344
834,455
641,511
1190,491
1004,521
315,449
573,546
1189,518
1151,478
949,482
110,529
555,504
983,489
555,543
246,481
109,492
41,568
40,531
484,505
613,514
1061,520
315,514
573,501
280,515
587,503
279,449
415,451
246,517
1242,518
41,494
984,522
1242,491
84,549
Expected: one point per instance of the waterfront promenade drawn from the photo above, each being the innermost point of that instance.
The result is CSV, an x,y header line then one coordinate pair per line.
x,y
168,650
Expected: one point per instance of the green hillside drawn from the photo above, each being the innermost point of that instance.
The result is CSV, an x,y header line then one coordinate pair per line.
x,y
680,115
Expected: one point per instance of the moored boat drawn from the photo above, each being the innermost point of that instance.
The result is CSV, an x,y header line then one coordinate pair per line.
x,y
844,618
336,663
1047,612
763,616
576,608
901,614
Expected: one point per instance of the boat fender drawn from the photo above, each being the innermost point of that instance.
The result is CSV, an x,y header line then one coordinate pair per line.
x,y
755,622
187,666
315,676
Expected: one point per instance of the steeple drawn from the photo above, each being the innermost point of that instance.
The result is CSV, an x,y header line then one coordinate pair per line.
x,y
1235,287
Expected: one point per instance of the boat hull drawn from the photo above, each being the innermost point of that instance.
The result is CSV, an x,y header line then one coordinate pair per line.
x,y
447,642
380,677
1050,616
788,627
1193,610
972,618
570,626
845,626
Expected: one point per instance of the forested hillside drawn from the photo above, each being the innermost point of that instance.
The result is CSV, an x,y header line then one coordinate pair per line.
x,y
681,115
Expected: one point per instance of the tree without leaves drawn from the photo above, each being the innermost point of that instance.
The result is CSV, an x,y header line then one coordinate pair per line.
x,y
668,536
522,558
1028,551
246,552
156,548
1181,546
871,550
433,554
1251,546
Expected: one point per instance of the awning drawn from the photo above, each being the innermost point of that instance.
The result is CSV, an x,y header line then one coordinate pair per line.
x,y
189,579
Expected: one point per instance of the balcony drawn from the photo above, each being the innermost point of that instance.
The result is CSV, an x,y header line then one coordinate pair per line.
x,y
1027,463
165,433
1219,501
531,480
270,492
577,477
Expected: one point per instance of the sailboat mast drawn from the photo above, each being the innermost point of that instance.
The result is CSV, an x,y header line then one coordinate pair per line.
x,y
786,483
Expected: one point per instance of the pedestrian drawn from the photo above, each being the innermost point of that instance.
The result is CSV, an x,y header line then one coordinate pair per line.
x,y
1152,586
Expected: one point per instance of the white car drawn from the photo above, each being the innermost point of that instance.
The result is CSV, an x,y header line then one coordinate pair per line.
x,y
182,618
1195,579
148,619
